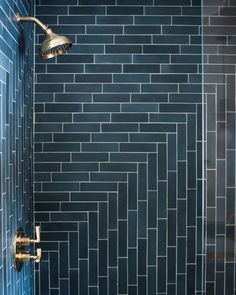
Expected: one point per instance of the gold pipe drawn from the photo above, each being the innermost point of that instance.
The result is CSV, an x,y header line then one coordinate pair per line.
x,y
53,44
32,19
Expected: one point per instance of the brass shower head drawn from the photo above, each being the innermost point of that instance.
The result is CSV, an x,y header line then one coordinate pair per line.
x,y
53,44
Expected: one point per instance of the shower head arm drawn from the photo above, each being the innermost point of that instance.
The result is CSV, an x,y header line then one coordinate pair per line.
x,y
45,29
53,44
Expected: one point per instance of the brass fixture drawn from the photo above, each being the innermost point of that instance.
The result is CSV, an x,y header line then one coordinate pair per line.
x,y
53,44
20,255
27,256
23,240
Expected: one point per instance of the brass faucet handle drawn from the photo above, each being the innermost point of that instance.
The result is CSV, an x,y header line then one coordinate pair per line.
x,y
25,241
37,234
37,258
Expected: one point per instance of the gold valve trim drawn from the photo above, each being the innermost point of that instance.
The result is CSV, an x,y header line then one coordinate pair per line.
x,y
21,241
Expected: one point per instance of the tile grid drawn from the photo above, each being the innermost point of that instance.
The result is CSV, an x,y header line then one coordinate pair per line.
x,y
108,115
16,104
219,39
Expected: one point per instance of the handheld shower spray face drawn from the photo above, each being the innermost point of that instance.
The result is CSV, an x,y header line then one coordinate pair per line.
x,y
53,44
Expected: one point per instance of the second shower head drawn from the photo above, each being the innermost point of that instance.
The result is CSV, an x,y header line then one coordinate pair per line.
x,y
53,44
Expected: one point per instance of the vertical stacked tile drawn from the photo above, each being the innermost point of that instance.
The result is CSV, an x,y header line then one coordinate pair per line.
x,y
16,151
219,76
118,139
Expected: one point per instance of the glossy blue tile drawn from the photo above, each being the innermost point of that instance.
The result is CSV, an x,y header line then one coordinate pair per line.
x,y
137,147
103,224
87,10
132,191
63,260
83,242
181,255
127,157
83,277
93,261
125,10
132,228
142,219
141,68
171,190
100,147
191,156
102,268
112,281
152,209
61,147
142,285
152,280
73,248
142,252
105,176
122,238
190,273
120,19
152,247
119,167
122,275
112,248
122,201
162,205
103,287
162,237
44,279
142,182
181,216
93,230
110,137
73,281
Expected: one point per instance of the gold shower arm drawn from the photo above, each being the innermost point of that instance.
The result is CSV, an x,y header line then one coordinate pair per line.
x,y
53,45
32,19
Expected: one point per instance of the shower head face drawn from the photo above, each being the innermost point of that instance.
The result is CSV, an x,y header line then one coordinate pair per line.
x,y
54,45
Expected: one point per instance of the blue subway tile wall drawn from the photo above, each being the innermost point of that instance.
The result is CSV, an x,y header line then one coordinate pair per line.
x,y
118,162
16,148
219,74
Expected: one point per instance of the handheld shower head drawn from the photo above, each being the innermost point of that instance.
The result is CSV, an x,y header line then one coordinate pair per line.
x,y
53,44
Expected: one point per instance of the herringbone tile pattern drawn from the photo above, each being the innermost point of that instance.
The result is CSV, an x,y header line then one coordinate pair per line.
x,y
118,149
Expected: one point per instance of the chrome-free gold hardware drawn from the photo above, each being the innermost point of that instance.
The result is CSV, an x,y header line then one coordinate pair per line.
x,y
27,256
25,241
21,241
53,44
